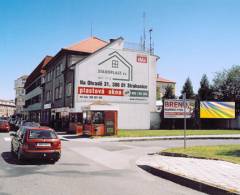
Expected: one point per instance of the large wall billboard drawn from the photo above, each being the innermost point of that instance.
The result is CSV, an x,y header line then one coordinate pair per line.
x,y
175,108
217,109
114,76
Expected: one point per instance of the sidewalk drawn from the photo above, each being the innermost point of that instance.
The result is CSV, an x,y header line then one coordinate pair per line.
x,y
127,139
209,176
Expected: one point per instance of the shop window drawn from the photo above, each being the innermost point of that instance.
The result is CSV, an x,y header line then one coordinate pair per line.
x,y
98,118
76,118
114,64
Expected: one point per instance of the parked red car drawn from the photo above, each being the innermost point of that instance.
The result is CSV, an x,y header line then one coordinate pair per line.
x,y
36,142
4,126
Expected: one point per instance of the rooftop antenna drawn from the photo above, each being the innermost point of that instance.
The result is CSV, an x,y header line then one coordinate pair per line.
x,y
151,44
144,31
91,29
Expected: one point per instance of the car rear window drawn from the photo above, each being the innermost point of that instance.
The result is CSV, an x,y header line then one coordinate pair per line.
x,y
42,134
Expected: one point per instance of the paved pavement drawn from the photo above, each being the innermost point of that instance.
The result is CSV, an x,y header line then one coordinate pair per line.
x,y
215,173
89,168
85,168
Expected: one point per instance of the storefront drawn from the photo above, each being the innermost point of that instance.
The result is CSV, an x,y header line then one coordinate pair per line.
x,y
95,120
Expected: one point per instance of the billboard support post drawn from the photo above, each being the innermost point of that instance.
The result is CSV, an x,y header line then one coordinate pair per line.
x,y
185,124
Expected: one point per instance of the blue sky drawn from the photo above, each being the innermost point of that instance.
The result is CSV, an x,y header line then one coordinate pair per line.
x,y
192,37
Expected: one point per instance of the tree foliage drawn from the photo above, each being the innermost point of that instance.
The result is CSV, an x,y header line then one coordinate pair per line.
x,y
227,84
205,90
188,89
169,93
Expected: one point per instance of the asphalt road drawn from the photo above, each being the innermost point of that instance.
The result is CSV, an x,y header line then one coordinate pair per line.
x,y
89,168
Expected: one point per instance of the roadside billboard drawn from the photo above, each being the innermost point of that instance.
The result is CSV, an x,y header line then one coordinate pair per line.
x,y
175,108
217,109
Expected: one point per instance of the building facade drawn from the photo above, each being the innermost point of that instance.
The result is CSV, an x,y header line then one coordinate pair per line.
x,y
33,92
118,78
7,108
94,82
20,93
162,84
58,82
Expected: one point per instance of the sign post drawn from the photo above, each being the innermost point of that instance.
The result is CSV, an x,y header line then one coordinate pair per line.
x,y
185,120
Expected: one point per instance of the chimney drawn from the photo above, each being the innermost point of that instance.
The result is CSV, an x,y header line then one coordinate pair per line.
x,y
112,40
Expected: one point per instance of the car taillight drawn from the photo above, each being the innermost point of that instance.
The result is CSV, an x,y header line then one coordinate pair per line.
x,y
57,144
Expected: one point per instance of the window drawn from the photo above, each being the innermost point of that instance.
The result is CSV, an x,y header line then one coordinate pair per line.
x,y
69,89
56,93
98,118
60,92
114,64
48,95
62,67
58,70
42,134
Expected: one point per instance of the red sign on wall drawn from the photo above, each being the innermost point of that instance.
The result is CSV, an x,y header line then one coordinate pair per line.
x,y
100,91
142,59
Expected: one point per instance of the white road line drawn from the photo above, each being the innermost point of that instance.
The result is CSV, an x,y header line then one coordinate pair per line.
x,y
7,139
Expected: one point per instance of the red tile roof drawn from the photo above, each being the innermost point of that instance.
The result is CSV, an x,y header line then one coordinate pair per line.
x,y
89,45
163,80
37,71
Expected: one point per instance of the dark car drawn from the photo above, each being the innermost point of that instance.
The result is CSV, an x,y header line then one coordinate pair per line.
x,y
4,126
36,143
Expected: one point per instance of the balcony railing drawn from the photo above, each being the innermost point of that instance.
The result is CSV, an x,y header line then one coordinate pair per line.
x,y
136,47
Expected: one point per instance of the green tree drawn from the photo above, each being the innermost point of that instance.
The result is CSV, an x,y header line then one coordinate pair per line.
x,y
205,90
227,84
169,93
188,89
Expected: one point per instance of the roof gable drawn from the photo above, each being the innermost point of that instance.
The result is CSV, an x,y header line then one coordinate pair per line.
x,y
89,45
163,80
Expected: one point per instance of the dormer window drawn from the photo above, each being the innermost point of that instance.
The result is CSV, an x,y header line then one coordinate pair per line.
x,y
114,64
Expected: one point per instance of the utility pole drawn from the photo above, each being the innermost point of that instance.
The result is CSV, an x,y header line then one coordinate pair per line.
x,y
185,122
91,30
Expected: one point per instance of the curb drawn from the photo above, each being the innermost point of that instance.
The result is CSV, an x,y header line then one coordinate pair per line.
x,y
132,139
171,138
194,184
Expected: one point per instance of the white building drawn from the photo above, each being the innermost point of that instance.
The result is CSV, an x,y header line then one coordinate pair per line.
x,y
7,108
117,78
19,93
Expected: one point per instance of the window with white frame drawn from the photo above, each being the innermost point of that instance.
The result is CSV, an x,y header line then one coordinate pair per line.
x,y
114,64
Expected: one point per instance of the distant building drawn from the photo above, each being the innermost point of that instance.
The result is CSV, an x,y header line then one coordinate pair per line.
x,y
33,92
161,85
7,108
19,93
